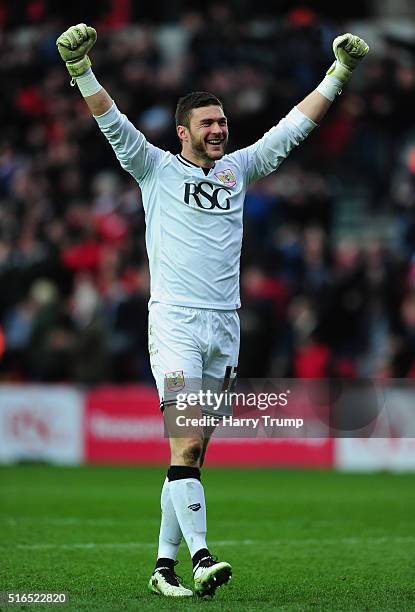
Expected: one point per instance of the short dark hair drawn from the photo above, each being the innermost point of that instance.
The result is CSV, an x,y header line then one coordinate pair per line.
x,y
196,99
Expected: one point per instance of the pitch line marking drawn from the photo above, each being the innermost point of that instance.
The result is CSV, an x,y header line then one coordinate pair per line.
x,y
138,545
18,521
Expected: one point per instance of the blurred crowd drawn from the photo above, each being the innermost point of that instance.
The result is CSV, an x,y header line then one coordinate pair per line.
x,y
73,269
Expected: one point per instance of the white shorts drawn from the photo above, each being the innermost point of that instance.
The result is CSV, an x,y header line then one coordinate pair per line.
x,y
188,346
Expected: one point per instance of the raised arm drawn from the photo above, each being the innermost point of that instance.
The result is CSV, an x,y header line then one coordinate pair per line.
x,y
349,50
264,156
135,154
73,46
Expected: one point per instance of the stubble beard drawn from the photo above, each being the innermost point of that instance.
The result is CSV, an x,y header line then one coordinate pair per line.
x,y
199,148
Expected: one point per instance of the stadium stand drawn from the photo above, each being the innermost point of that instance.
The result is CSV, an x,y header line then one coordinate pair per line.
x,y
328,265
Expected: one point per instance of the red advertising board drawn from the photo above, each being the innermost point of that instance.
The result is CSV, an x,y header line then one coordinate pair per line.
x,y
317,452
124,425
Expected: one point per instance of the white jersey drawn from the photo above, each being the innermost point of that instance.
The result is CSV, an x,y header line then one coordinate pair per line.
x,y
193,219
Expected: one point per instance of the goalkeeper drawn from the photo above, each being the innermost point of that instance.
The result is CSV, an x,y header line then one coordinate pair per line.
x,y
193,204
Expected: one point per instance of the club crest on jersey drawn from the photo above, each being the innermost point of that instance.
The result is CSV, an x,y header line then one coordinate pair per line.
x,y
226,177
174,381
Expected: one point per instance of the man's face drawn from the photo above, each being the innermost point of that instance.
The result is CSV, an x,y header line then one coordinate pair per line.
x,y
207,136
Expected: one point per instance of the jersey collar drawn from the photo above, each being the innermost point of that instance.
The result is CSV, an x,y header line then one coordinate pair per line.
x,y
190,164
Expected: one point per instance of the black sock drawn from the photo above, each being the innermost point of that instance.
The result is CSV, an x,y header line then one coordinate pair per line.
x,y
200,554
165,562
179,472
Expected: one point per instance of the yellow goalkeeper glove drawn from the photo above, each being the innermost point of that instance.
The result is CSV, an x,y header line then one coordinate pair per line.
x,y
74,45
349,51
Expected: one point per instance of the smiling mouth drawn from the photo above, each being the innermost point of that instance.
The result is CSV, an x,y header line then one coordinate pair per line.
x,y
214,142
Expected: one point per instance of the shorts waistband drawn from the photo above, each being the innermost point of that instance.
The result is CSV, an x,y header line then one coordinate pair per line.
x,y
191,309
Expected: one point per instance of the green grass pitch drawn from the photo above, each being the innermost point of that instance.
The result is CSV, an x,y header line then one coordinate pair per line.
x,y
297,540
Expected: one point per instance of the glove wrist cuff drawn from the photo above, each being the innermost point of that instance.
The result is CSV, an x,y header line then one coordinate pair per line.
x,y
78,67
340,72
